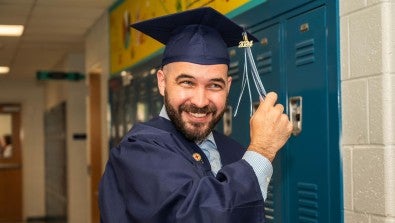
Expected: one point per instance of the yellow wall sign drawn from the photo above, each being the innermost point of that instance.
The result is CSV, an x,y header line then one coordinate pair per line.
x,y
128,46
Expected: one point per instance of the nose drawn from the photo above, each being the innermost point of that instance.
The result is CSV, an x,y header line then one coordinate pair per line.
x,y
199,98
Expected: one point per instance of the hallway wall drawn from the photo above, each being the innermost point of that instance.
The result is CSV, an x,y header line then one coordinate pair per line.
x,y
97,60
368,109
30,94
74,94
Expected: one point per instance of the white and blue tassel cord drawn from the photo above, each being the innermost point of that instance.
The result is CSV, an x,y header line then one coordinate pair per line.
x,y
249,61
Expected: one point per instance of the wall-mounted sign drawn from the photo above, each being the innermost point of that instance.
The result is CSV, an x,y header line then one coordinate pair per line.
x,y
59,75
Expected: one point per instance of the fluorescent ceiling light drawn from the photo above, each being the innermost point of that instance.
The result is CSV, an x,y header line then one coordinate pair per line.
x,y
11,30
4,70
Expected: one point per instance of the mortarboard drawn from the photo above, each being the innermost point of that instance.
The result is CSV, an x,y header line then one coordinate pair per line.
x,y
202,36
199,36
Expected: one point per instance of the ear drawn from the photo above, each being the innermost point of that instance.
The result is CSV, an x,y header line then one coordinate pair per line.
x,y
160,75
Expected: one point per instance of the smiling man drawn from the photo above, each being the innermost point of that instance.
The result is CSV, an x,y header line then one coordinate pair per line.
x,y
175,168
195,96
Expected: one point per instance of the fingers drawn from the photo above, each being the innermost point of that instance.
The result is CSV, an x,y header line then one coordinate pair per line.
x,y
270,128
270,99
270,102
279,108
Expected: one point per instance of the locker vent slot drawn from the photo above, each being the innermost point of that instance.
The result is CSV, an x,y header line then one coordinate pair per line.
x,y
308,202
304,52
234,70
264,63
269,204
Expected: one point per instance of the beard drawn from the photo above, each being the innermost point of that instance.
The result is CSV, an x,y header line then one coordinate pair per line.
x,y
197,130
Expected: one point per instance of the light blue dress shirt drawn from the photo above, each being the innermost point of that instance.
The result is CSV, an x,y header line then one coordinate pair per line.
x,y
261,165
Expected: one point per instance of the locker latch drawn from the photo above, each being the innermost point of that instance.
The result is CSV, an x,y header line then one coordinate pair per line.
x,y
295,113
227,120
304,27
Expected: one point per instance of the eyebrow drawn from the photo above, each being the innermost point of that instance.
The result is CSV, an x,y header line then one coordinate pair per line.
x,y
181,76
221,80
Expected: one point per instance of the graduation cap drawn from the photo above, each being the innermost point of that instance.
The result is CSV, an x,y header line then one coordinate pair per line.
x,y
199,36
202,36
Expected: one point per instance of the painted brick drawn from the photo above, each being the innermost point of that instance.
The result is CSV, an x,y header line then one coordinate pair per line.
x,y
351,217
347,177
381,100
369,180
366,32
392,33
386,37
351,5
372,2
391,102
382,219
344,49
376,111
390,180
354,112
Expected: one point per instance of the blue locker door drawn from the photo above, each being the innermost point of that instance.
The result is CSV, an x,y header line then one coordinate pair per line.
x,y
238,133
155,98
267,58
307,153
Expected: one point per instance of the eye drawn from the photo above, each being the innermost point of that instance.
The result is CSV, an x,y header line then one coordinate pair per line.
x,y
186,83
215,86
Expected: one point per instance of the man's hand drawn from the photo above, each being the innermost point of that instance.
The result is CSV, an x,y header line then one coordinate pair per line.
x,y
270,127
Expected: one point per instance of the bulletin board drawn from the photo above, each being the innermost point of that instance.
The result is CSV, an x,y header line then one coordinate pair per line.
x,y
128,46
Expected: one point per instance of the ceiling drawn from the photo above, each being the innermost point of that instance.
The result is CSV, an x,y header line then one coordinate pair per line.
x,y
53,29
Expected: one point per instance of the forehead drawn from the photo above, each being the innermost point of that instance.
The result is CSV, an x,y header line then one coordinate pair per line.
x,y
196,70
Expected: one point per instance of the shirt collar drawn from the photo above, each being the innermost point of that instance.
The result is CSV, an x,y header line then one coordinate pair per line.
x,y
163,114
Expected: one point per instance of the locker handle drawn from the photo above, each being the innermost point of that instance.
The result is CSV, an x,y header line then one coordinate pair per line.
x,y
296,114
264,41
227,120
304,27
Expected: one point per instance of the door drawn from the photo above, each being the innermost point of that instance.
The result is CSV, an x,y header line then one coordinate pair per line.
x,y
308,149
10,164
95,142
56,163
268,58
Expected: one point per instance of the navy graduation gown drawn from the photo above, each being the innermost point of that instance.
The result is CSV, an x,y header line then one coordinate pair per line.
x,y
152,177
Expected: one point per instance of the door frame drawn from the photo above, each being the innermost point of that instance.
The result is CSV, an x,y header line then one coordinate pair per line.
x,y
95,142
15,163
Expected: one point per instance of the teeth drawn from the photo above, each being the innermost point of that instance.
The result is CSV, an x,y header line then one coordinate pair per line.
x,y
198,115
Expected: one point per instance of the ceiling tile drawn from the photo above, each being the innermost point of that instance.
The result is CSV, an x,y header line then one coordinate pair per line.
x,y
53,29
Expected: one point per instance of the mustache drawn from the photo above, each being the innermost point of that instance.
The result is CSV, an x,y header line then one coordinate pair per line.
x,y
191,108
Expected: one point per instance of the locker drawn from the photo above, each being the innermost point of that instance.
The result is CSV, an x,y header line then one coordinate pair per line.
x,y
116,100
267,59
267,55
130,104
307,79
293,59
142,106
155,98
235,71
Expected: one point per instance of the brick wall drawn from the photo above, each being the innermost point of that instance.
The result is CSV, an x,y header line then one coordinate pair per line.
x,y
368,109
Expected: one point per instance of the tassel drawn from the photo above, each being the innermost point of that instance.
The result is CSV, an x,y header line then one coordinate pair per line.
x,y
249,61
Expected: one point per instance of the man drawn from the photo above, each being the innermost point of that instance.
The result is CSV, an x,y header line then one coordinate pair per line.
x,y
176,168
